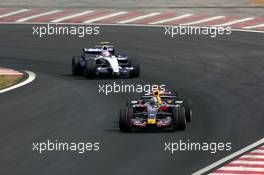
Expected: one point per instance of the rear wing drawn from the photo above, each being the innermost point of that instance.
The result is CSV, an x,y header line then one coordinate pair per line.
x,y
163,94
98,50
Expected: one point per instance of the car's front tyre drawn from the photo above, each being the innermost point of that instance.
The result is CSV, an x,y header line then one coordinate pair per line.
x,y
90,68
188,110
178,118
126,114
136,68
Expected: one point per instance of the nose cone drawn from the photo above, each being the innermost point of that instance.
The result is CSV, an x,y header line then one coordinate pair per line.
x,y
115,69
113,63
151,121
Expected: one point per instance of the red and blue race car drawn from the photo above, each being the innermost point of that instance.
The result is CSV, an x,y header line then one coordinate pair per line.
x,y
157,109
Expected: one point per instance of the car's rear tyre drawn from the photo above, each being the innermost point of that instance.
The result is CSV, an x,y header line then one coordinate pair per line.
x,y
188,110
178,118
76,68
136,68
126,114
90,68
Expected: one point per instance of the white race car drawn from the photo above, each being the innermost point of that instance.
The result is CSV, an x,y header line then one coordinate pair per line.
x,y
102,60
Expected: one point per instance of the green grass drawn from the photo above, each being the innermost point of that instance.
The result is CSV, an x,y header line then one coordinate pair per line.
x,y
9,80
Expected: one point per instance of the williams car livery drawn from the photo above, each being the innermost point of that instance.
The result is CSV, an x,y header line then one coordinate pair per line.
x,y
102,60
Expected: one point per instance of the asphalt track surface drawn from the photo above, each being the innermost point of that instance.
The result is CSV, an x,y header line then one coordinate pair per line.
x,y
223,77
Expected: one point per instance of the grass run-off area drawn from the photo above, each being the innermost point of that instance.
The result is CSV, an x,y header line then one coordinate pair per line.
x,y
9,80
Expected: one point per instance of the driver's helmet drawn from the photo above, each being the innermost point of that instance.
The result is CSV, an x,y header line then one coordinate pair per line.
x,y
106,53
156,92
104,48
153,101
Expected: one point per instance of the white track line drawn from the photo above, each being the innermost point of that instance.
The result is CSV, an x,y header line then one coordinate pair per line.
x,y
14,13
204,20
253,156
255,26
243,162
72,16
38,15
138,18
104,17
258,151
229,157
234,22
31,77
242,169
228,174
126,25
171,19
